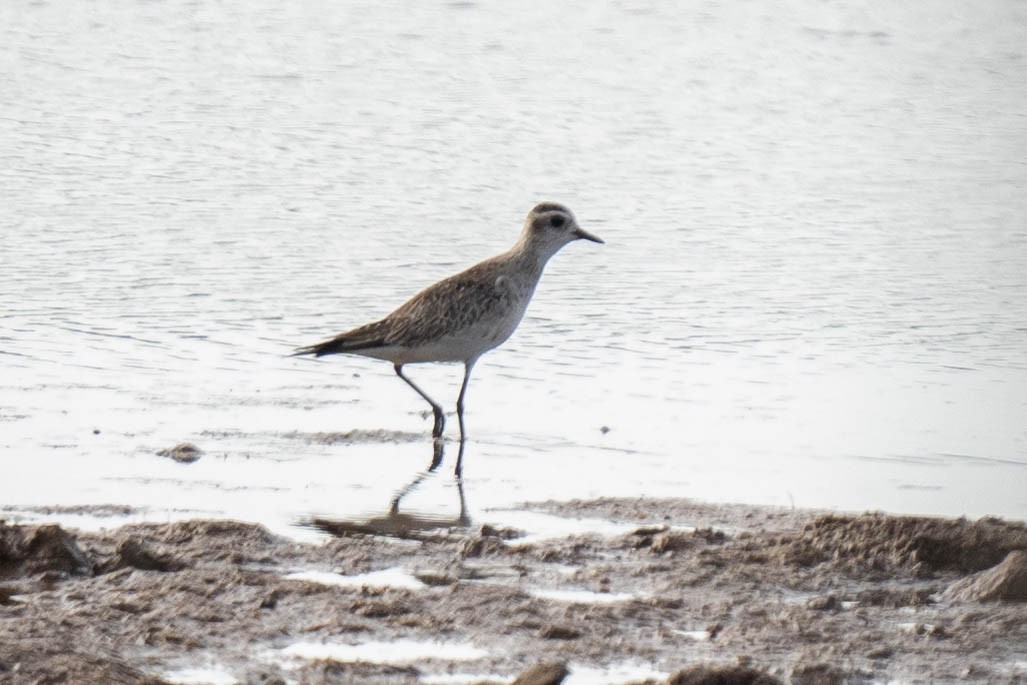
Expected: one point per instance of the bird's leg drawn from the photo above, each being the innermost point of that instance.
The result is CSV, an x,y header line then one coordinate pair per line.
x,y
440,418
460,417
438,448
394,505
464,519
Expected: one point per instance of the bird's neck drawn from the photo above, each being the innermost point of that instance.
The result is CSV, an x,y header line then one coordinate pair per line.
x,y
530,256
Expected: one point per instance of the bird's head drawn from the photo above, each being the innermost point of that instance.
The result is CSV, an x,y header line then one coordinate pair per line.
x,y
550,226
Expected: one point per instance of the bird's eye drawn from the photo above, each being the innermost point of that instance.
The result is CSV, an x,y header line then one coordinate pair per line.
x,y
557,221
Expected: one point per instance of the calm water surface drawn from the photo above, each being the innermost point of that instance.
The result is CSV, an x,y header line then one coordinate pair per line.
x,y
813,292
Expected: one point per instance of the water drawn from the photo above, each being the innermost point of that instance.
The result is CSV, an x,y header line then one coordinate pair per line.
x,y
813,292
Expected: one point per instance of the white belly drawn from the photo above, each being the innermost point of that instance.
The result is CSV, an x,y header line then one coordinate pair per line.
x,y
461,346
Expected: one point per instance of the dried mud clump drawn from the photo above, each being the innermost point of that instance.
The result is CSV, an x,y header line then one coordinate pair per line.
x,y
1005,582
133,553
543,674
183,452
30,550
818,674
43,661
203,535
922,545
896,598
138,603
721,675
182,544
662,539
488,541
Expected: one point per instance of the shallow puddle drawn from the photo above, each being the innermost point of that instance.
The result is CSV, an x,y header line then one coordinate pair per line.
x,y
583,596
539,526
697,635
615,674
386,578
395,652
462,678
200,676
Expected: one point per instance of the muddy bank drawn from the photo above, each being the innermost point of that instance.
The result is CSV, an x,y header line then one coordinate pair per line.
x,y
757,595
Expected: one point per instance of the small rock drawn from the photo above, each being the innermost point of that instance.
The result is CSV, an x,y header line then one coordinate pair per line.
x,y
671,541
881,597
183,452
482,546
134,554
1005,582
502,532
710,535
130,607
824,603
435,578
817,674
270,600
49,579
543,674
975,671
721,675
6,593
555,632
667,602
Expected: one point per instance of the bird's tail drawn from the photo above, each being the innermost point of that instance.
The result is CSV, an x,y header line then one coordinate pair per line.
x,y
363,338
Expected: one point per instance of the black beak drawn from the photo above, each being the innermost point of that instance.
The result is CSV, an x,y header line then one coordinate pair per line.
x,y
581,233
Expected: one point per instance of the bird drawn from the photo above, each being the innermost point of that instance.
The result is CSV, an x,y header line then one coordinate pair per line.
x,y
465,315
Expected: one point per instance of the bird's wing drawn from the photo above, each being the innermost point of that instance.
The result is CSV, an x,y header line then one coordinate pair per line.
x,y
448,306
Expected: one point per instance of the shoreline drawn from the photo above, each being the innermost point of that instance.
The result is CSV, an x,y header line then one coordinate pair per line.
x,y
801,596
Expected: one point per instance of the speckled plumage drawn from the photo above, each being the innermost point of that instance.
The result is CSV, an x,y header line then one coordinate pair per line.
x,y
453,320
461,317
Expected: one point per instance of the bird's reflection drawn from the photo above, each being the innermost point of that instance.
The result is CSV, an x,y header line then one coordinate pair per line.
x,y
399,524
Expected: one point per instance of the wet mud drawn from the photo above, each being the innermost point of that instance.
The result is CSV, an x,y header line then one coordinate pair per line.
x,y
692,593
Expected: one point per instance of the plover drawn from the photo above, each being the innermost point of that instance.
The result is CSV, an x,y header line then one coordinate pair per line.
x,y
461,317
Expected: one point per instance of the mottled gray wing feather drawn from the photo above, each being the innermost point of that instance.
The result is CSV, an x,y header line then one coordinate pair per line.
x,y
449,306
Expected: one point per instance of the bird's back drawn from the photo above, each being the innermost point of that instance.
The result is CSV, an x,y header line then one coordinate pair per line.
x,y
456,319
